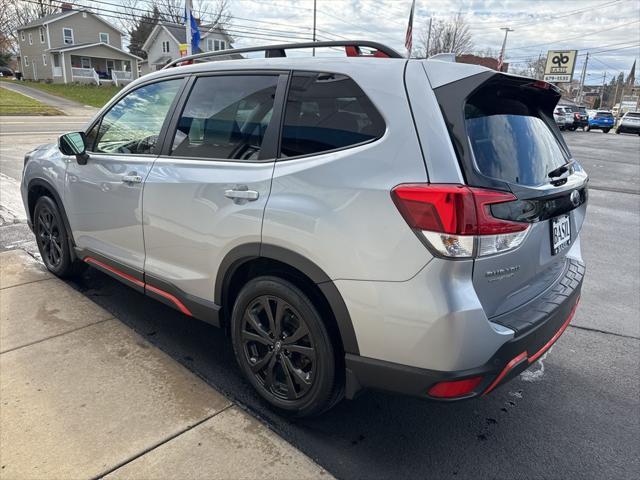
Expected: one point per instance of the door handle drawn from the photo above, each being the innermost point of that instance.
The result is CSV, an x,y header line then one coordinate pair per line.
x,y
242,194
133,178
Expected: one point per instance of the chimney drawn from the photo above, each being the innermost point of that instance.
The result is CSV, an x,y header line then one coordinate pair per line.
x,y
65,7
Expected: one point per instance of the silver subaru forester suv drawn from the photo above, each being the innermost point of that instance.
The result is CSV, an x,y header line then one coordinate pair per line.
x,y
359,222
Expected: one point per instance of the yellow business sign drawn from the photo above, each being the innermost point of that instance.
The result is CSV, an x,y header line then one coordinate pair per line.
x,y
183,49
560,65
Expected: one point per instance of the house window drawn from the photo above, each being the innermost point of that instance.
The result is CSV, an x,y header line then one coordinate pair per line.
x,y
104,37
84,14
216,45
41,35
22,35
165,47
67,36
26,61
85,62
30,39
44,59
222,45
209,44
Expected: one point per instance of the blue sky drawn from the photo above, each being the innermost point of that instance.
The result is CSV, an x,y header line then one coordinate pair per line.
x,y
608,29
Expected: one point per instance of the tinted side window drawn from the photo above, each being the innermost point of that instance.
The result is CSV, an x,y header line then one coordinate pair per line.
x,y
133,124
226,117
326,111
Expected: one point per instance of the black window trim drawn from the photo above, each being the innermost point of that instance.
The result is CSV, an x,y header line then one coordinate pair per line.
x,y
97,122
280,158
270,142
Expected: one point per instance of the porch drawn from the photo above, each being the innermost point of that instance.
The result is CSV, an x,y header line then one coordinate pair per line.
x,y
100,70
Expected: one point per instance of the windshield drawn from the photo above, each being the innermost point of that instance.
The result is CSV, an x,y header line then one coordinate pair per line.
x,y
510,140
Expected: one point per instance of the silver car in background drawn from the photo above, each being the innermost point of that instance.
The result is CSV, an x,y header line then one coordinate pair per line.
x,y
368,222
629,123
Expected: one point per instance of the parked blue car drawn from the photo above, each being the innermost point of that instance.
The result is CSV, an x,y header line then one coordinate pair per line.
x,y
601,120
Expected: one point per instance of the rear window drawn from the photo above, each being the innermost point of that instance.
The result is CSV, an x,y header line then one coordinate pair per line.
x,y
327,111
633,115
509,138
603,114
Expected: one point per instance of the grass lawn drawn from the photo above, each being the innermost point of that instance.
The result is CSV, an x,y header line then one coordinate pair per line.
x,y
84,94
12,103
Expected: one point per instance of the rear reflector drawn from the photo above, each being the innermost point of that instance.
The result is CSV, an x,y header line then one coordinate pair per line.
x,y
454,389
454,218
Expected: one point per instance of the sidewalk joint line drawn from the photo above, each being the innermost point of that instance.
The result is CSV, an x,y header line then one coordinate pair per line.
x,y
57,335
159,444
28,283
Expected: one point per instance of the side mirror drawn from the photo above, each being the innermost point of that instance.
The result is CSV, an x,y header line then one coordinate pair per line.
x,y
74,143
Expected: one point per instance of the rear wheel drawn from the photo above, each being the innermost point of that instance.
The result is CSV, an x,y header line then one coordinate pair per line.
x,y
283,347
573,129
587,128
52,238
605,130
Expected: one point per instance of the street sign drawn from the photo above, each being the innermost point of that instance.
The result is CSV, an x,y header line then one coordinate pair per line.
x,y
559,66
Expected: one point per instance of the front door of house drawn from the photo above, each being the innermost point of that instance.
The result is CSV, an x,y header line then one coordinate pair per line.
x,y
111,65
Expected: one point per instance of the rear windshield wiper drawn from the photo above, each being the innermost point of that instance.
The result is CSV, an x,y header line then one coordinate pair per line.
x,y
556,172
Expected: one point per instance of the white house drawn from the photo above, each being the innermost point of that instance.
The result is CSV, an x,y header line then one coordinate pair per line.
x,y
163,44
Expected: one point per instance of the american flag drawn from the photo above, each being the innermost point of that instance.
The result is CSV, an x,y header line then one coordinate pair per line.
x,y
408,39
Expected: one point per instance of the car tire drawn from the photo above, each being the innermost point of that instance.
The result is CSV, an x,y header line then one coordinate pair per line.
x,y
587,128
573,129
605,130
284,349
52,238
618,132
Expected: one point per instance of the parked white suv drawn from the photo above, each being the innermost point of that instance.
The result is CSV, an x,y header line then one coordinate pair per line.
x,y
368,222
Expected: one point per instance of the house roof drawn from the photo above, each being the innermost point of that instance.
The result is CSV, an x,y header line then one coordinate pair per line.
x,y
54,17
82,46
179,34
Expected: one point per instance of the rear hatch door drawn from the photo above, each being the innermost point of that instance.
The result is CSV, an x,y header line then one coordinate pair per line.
x,y
506,139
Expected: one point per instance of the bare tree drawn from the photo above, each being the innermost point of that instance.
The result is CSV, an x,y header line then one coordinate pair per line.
x,y
447,36
14,13
534,68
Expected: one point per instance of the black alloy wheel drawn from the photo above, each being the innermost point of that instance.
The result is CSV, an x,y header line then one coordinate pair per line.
x,y
283,347
51,237
278,346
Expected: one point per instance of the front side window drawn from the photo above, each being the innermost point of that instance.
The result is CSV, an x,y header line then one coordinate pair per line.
x,y
133,124
30,39
67,36
226,117
22,36
44,59
41,35
216,45
327,111
26,61
85,62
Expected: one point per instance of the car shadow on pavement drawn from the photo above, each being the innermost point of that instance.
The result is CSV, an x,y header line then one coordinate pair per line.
x,y
380,435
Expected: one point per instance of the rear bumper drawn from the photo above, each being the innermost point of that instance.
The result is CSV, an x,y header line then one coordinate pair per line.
x,y
546,318
628,128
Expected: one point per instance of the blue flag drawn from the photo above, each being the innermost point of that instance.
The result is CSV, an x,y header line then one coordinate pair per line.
x,y
195,32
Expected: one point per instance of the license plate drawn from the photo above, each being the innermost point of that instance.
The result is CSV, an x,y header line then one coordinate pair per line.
x,y
560,233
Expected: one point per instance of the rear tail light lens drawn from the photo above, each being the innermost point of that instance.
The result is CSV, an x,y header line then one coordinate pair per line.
x,y
456,220
454,389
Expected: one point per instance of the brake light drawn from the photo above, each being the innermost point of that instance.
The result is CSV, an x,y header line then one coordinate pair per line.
x,y
454,389
456,220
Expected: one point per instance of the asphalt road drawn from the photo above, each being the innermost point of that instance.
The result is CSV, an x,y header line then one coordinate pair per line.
x,y
576,415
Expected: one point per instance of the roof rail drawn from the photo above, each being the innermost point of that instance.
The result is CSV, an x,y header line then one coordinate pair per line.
x,y
352,48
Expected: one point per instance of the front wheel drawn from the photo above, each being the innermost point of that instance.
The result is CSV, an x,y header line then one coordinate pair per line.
x,y
283,347
52,239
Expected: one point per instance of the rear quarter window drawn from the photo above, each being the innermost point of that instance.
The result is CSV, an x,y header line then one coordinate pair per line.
x,y
327,111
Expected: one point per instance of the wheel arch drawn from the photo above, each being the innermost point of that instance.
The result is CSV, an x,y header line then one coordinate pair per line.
x,y
39,187
245,260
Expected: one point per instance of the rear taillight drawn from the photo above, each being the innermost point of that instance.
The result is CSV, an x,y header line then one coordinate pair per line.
x,y
456,220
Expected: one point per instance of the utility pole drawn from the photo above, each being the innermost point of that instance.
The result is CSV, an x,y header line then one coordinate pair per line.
x,y
426,54
539,74
504,46
615,96
582,77
187,8
604,79
314,28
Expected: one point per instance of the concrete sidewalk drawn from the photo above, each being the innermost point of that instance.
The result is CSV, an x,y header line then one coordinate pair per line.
x,y
69,107
83,396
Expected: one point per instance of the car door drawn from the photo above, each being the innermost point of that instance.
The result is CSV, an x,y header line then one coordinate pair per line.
x,y
103,198
206,193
